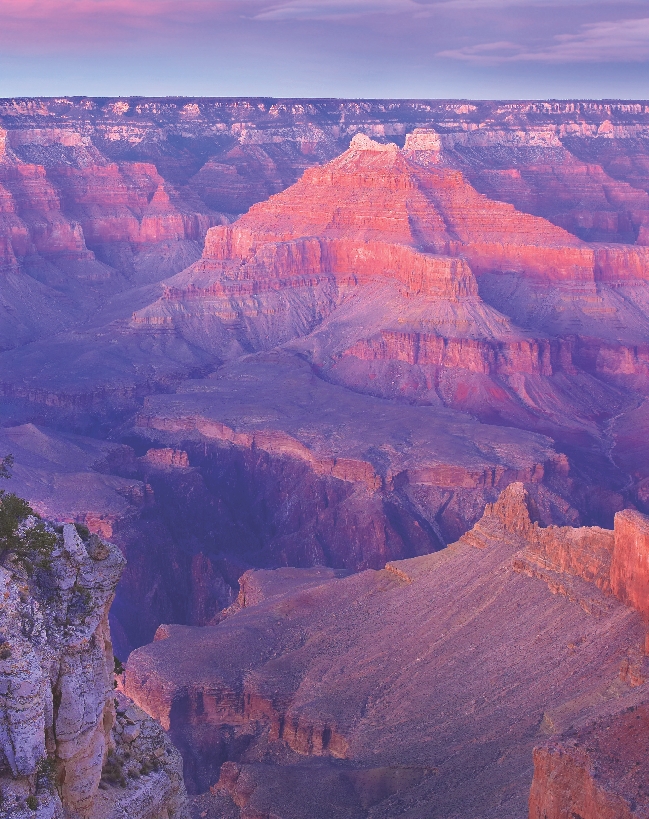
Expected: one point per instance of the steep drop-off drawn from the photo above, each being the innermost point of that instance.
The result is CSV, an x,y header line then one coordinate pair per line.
x,y
598,772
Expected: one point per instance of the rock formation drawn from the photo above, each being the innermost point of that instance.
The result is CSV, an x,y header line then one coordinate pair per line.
x,y
389,279
387,268
415,687
63,733
598,772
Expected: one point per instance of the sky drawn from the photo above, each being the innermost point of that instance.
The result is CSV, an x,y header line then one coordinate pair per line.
x,y
471,49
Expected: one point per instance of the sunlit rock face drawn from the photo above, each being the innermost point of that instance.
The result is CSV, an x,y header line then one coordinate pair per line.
x,y
598,771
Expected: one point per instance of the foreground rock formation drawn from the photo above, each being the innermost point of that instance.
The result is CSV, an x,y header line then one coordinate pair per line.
x,y
64,735
420,689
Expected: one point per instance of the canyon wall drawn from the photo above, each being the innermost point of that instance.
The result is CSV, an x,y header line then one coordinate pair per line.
x,y
63,732
101,195
598,772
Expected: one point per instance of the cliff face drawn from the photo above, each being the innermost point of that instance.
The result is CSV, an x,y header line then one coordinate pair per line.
x,y
613,561
75,227
377,216
629,579
377,689
61,738
94,189
597,773
307,481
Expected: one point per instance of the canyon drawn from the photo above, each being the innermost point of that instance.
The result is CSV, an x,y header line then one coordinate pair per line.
x,y
271,347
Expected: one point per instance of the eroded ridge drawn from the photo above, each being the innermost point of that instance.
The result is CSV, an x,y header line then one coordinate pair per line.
x,y
423,687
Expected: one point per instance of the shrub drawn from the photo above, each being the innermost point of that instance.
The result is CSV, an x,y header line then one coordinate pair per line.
x,y
45,773
113,772
32,548
5,466
81,598
82,531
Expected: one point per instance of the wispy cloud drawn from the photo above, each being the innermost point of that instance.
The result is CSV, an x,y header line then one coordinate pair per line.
x,y
339,9
613,41
83,23
495,5
335,9
196,10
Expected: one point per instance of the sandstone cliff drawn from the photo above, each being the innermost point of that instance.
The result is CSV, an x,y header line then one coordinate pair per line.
x,y
64,735
599,772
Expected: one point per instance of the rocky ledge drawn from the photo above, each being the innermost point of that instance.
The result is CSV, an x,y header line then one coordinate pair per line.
x,y
71,747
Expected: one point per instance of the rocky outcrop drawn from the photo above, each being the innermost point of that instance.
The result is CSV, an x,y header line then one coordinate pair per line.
x,y
386,272
596,773
167,457
61,737
379,685
614,561
377,218
370,213
476,355
142,774
434,209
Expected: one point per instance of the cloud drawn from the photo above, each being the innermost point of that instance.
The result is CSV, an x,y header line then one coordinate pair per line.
x,y
14,11
495,5
335,9
339,9
84,23
35,26
620,41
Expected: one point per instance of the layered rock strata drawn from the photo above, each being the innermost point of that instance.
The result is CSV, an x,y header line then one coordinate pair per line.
x,y
267,465
411,689
61,738
376,218
582,164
